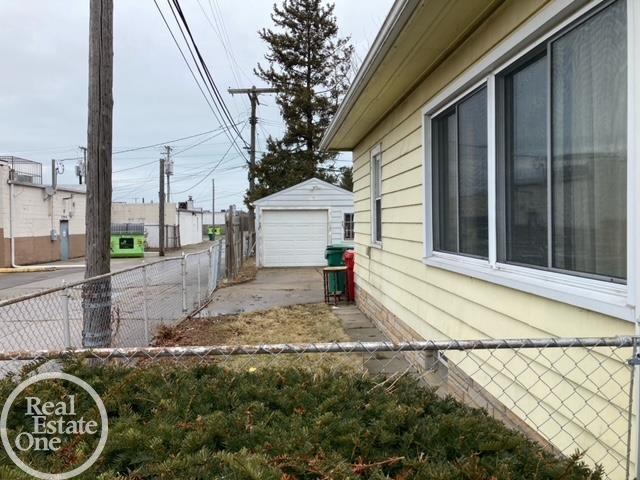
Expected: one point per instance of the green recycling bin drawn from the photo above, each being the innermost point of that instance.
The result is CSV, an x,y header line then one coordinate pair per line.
x,y
333,254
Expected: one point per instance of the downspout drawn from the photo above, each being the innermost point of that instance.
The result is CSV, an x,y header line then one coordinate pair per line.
x,y
11,235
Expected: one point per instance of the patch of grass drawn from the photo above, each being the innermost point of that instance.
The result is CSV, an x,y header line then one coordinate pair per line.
x,y
205,422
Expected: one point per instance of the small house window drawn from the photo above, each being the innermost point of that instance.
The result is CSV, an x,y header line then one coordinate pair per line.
x,y
376,194
459,152
348,226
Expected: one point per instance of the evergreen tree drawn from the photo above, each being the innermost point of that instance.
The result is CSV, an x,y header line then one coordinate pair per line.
x,y
346,178
308,63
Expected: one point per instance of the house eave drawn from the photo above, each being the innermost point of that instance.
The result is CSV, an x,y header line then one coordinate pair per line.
x,y
393,25
416,38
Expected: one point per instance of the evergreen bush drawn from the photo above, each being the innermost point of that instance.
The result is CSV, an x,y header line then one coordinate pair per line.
x,y
204,422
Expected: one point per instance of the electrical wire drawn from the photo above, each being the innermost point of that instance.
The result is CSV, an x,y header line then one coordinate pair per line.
x,y
137,166
175,40
224,114
135,149
210,171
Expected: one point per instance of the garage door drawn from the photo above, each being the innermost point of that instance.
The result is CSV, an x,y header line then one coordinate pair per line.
x,y
294,238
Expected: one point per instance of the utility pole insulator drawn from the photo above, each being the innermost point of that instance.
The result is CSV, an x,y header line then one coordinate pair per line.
x,y
168,168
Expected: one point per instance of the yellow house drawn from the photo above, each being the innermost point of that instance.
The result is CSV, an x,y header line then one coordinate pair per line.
x,y
496,179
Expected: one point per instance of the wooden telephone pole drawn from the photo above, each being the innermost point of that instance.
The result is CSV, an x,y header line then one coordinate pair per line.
x,y
161,203
96,296
253,93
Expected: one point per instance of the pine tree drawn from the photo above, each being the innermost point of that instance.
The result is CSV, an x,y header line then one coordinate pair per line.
x,y
346,178
308,63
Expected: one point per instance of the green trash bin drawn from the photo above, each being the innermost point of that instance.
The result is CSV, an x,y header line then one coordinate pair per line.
x,y
333,254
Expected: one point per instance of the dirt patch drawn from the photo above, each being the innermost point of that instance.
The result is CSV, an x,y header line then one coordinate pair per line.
x,y
295,324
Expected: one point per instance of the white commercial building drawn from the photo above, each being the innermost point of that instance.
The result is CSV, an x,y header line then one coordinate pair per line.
x,y
38,223
183,226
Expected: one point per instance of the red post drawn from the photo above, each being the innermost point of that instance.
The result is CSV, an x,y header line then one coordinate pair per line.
x,y
349,257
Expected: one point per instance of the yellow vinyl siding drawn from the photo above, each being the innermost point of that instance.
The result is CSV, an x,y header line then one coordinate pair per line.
x,y
439,304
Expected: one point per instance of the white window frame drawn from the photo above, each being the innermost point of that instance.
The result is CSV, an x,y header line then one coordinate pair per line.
x,y
617,300
377,150
353,226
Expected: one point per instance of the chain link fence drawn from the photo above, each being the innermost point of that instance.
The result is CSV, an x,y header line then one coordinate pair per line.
x,y
570,395
138,300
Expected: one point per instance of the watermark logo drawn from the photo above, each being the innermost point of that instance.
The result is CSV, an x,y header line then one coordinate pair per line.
x,y
49,424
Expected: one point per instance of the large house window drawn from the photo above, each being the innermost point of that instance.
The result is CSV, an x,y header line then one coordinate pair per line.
x,y
564,151
459,153
529,161
348,224
376,194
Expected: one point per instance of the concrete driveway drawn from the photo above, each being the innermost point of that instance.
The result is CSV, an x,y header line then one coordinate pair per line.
x,y
273,287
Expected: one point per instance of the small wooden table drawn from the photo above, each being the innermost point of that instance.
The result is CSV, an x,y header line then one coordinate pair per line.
x,y
327,272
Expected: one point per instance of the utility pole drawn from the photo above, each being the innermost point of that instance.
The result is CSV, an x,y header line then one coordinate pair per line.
x,y
213,202
96,295
161,209
168,170
253,93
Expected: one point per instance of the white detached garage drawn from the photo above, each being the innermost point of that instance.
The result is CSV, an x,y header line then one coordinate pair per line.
x,y
294,226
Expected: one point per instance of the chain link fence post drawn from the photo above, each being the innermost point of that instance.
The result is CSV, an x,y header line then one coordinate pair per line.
x,y
66,326
634,399
145,312
210,273
183,264
219,268
199,281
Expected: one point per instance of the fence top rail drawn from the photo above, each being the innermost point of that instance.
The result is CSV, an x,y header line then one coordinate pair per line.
x,y
77,283
335,347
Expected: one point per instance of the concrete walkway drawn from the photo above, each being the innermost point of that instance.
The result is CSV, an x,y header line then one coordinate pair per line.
x,y
273,287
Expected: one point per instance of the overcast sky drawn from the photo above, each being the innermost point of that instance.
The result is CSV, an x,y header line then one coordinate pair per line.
x,y
43,87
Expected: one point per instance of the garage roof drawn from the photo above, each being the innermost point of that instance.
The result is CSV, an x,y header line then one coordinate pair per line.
x,y
310,182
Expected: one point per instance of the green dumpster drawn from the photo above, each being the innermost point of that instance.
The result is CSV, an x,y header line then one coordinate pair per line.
x,y
333,254
127,240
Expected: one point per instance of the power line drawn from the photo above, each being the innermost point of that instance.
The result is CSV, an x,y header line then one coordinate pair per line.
x,y
223,115
221,101
220,30
175,40
210,171
219,97
204,141
137,166
134,149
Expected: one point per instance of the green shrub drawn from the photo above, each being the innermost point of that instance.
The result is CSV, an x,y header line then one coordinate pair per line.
x,y
206,422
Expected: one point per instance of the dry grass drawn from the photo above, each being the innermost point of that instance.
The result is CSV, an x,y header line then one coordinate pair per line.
x,y
248,272
295,324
